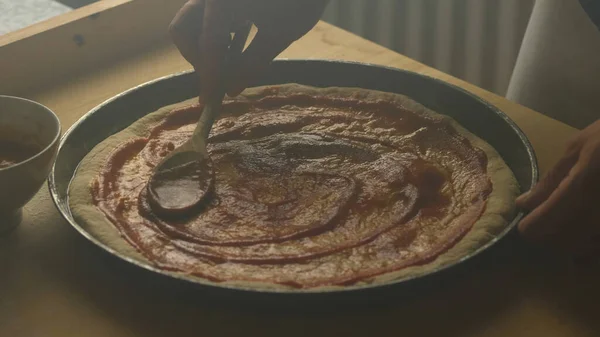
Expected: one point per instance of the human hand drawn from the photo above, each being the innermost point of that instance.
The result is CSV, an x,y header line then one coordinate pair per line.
x,y
201,31
565,204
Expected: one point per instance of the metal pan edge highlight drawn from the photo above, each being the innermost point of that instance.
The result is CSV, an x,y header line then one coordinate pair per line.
x,y
60,198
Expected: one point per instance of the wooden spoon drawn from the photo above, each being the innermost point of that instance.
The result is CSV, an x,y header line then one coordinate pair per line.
x,y
183,179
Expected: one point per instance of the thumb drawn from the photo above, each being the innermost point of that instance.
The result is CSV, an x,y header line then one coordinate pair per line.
x,y
542,190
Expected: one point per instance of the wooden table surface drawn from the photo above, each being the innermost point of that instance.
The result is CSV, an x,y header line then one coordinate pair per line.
x,y
54,283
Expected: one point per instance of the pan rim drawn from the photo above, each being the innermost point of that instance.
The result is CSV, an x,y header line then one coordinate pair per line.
x,y
67,215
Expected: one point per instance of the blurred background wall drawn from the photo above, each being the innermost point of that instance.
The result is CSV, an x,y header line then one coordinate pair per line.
x,y
476,40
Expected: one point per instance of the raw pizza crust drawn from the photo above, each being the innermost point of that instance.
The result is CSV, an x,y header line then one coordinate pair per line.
x,y
499,210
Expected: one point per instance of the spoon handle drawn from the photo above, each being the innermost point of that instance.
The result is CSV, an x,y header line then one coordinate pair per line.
x,y
213,106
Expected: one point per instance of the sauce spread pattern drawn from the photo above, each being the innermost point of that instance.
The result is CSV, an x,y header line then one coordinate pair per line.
x,y
309,191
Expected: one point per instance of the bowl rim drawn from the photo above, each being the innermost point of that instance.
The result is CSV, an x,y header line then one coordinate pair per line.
x,y
45,149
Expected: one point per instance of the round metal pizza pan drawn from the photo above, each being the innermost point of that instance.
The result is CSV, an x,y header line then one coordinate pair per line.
x,y
475,114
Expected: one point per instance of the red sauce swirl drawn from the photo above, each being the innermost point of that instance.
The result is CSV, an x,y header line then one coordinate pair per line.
x,y
308,192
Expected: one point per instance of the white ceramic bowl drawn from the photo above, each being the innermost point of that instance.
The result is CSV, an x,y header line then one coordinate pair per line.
x,y
25,122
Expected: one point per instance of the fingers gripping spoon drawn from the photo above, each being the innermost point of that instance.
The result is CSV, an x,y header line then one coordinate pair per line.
x,y
183,179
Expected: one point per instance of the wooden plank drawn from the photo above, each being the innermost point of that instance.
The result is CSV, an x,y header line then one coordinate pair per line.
x,y
58,21
80,40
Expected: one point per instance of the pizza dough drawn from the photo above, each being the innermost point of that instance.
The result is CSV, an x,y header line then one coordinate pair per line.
x,y
497,212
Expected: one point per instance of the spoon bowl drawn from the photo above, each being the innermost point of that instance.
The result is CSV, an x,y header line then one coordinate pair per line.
x,y
182,183
185,177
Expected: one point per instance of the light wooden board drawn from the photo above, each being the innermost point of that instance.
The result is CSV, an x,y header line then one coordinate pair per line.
x,y
54,283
